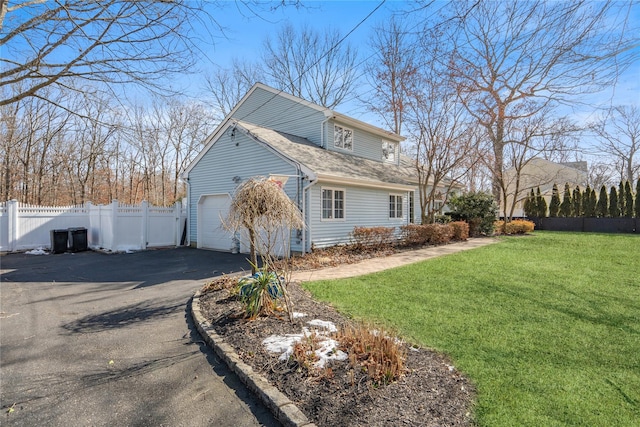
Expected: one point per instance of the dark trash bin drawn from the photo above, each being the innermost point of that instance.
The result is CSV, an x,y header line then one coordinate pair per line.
x,y
78,239
59,241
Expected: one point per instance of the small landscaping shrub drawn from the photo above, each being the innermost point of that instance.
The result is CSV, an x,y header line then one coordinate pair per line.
x,y
459,230
374,351
373,237
477,209
517,226
438,234
260,293
414,235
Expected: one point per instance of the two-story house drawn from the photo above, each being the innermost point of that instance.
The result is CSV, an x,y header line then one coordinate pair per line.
x,y
341,172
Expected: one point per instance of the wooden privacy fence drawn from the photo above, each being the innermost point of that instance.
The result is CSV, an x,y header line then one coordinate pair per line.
x,y
114,227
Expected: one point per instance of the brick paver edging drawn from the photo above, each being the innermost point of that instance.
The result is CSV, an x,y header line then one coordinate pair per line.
x,y
282,408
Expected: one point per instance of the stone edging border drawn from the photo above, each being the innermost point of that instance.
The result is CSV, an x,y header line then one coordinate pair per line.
x,y
282,408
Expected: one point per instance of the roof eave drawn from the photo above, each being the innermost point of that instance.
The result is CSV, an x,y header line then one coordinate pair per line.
x,y
363,125
339,180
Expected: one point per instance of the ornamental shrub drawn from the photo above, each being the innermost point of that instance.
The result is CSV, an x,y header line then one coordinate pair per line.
x,y
413,235
517,226
459,230
438,234
373,237
477,209
260,293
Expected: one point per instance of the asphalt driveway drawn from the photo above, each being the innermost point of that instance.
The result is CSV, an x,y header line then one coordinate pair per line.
x,y
90,339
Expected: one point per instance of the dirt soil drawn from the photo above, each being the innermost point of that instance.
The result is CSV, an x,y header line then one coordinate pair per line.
x,y
430,393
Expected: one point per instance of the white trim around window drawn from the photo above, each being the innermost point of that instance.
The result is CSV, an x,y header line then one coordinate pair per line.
x,y
332,204
389,151
396,206
342,137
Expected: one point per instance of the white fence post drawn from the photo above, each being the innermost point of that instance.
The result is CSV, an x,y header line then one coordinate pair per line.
x,y
114,227
145,225
177,209
12,216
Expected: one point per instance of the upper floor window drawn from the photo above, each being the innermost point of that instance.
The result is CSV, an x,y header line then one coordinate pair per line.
x,y
395,206
389,151
332,203
342,137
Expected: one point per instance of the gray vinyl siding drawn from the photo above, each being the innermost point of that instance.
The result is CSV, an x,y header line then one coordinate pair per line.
x,y
215,171
266,109
364,207
365,144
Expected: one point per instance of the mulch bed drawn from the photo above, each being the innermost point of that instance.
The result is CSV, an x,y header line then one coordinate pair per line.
x,y
431,393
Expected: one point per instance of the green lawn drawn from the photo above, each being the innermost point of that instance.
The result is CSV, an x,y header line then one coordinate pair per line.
x,y
547,326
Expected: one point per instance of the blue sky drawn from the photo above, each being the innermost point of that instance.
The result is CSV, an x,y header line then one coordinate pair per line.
x,y
245,33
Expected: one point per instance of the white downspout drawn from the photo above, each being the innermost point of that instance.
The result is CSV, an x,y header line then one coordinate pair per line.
x,y
311,183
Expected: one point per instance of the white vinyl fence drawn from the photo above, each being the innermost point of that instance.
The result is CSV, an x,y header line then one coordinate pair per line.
x,y
113,227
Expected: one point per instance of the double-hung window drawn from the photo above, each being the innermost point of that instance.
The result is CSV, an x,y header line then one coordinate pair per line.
x,y
395,206
332,204
342,137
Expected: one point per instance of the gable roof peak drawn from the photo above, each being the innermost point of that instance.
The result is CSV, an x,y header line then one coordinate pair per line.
x,y
328,113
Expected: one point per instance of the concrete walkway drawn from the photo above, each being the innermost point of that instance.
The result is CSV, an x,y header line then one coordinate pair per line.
x,y
374,265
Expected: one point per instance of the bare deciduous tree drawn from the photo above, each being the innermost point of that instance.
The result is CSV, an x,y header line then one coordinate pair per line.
x,y
515,59
619,133
311,65
391,72
526,140
228,86
112,42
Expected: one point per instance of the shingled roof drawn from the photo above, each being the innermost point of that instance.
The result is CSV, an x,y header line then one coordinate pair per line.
x,y
328,165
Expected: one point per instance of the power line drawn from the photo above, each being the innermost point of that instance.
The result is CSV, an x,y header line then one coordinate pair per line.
x,y
331,49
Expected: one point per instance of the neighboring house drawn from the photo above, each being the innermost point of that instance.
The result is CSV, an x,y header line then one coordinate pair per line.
x,y
341,172
541,173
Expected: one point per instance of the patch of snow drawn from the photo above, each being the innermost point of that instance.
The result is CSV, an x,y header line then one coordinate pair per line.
x,y
325,324
38,251
327,351
297,315
282,344
327,347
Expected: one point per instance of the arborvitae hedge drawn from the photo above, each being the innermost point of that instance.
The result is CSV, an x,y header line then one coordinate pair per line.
x,y
565,206
603,203
554,205
628,200
576,211
541,204
615,204
614,210
621,199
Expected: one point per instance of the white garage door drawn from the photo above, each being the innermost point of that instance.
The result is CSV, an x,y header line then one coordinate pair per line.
x,y
211,234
